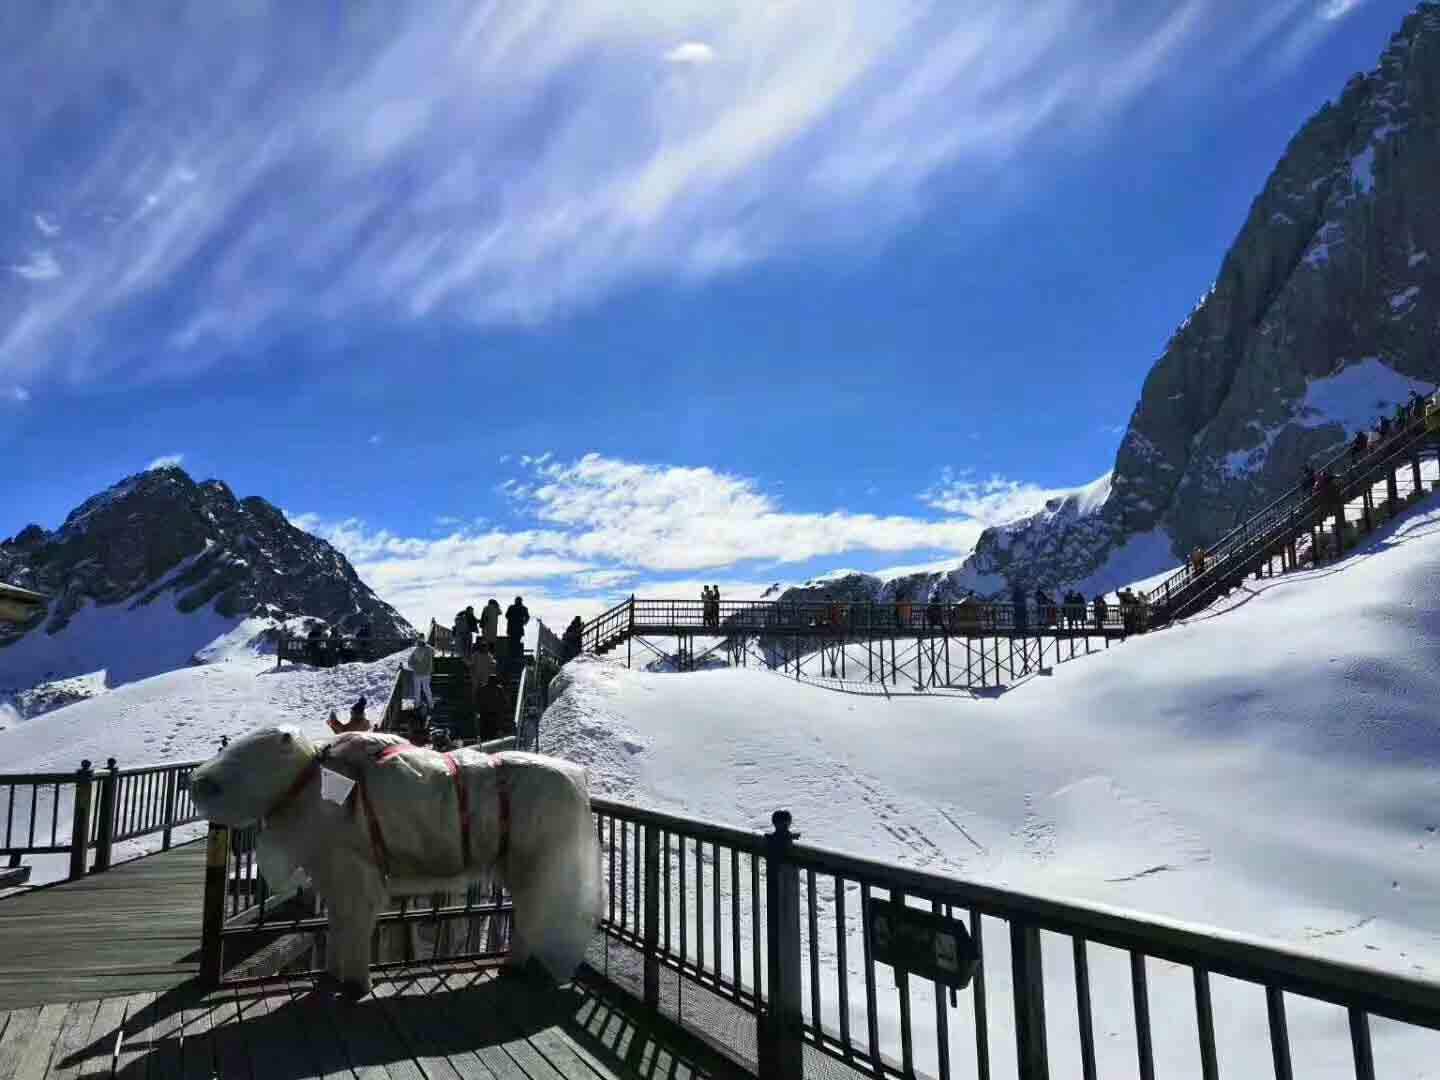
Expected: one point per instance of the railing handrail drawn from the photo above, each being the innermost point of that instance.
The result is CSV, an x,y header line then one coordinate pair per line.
x,y
1195,944
1396,443
1247,957
519,716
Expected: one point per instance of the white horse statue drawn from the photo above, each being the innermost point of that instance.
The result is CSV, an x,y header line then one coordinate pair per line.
x,y
369,816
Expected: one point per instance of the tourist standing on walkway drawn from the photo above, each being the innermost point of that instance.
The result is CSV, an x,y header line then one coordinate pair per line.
x,y
422,666
516,616
482,666
490,623
574,640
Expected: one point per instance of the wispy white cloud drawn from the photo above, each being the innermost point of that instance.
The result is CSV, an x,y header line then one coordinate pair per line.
x,y
593,526
507,162
691,52
375,440
166,460
1338,9
17,393
40,266
46,225
990,502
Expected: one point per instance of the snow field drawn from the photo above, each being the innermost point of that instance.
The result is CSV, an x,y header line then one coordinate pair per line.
x,y
1267,767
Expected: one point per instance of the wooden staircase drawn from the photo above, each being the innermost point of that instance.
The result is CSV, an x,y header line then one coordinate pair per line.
x,y
1276,531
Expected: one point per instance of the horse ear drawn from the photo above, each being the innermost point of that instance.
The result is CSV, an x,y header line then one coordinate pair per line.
x,y
287,737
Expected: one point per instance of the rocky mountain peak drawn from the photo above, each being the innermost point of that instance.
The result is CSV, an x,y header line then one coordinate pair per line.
x,y
1325,313
160,534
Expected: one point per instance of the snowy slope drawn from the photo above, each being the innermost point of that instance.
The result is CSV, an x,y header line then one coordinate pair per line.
x,y
1270,768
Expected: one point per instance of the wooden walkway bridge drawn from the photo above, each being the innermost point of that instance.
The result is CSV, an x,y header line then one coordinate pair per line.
x,y
977,644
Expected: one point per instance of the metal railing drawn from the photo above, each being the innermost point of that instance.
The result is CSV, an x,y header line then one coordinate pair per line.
x,y
1285,508
785,933
53,813
328,652
249,930
857,618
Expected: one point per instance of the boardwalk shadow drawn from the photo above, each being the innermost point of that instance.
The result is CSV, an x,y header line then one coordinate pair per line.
x,y
289,1030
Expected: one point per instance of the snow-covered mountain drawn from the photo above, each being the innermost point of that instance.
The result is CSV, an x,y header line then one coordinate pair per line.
x,y
159,568
1325,314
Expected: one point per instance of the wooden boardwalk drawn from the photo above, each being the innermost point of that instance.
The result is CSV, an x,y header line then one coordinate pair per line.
x,y
440,1022
135,927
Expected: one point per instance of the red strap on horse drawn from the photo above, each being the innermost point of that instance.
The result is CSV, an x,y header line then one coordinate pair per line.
x,y
462,800
377,837
502,797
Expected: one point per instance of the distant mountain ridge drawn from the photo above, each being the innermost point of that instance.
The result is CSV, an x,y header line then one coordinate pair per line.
x,y
159,543
1325,314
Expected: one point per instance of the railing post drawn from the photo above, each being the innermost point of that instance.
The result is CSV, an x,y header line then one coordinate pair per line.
x,y
782,1029
105,827
172,784
652,916
80,823
1028,977
217,859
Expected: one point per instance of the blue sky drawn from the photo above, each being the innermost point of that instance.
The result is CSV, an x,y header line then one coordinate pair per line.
x,y
575,299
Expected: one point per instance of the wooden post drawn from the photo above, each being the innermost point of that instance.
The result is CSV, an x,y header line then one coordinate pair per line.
x,y
80,823
105,827
217,859
652,917
782,1025
1027,974
172,784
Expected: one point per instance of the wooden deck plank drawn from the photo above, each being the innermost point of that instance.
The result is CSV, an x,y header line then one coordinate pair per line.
x,y
231,1060
12,1043
134,928
398,995
98,1055
134,1036
368,1044
197,1049
271,1033
163,1059
432,1028
34,1061
543,1013
74,1036
312,1012
459,1003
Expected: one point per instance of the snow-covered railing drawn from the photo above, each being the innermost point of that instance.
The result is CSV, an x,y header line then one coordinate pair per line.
x,y
779,948
57,813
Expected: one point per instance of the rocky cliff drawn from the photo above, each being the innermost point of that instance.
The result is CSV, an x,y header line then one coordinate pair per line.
x,y
1324,314
160,538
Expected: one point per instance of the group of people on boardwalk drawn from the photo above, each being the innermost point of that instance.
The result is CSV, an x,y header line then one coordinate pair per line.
x,y
472,632
1074,612
1324,482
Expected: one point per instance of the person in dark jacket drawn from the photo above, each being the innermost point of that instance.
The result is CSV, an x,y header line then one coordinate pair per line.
x,y
492,710
1101,609
574,640
1359,446
1017,599
516,616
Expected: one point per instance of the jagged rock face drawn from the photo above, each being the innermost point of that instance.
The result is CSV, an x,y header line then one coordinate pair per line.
x,y
1336,268
1333,266
160,537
